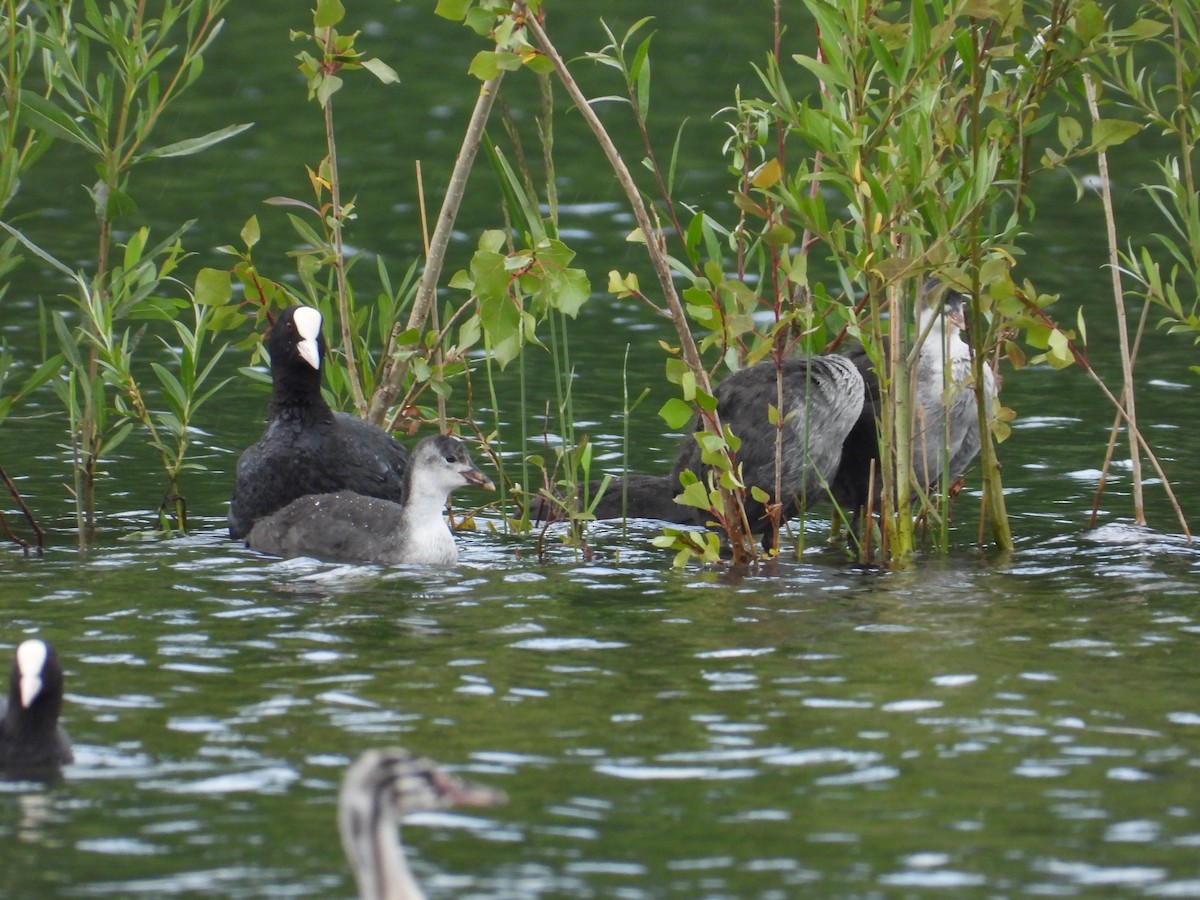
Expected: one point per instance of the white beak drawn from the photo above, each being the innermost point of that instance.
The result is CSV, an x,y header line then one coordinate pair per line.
x,y
309,352
31,686
308,325
31,660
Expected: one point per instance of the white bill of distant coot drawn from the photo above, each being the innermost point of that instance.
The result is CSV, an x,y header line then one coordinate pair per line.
x,y
30,735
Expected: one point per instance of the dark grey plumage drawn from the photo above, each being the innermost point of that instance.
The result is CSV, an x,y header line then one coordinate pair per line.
x,y
823,390
307,448
30,736
378,790
641,497
822,400
348,527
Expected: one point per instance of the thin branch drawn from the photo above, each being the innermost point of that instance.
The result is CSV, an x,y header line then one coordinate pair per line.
x,y
38,534
735,515
396,371
1114,264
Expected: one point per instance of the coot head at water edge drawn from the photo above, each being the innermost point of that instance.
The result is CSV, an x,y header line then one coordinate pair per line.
x,y
30,736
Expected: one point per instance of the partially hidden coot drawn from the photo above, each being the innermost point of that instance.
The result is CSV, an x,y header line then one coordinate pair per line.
x,y
348,527
822,399
30,736
830,442
307,448
945,427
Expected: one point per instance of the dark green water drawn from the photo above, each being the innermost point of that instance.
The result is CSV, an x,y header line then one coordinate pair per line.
x,y
972,728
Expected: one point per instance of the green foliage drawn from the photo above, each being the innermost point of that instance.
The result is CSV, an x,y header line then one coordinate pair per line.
x,y
109,72
1170,277
896,149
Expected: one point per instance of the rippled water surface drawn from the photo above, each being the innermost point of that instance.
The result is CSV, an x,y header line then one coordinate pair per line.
x,y
816,731
973,727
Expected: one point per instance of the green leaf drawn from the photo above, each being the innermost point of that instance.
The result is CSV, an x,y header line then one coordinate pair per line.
x,y
778,236
119,204
676,413
694,495
41,375
250,232
1070,132
455,10
41,114
196,144
827,74
213,287
1089,22
492,240
640,73
569,290
328,13
171,387
327,86
1110,132
381,70
487,64
539,64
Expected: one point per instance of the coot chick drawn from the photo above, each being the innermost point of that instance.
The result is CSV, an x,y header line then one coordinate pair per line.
x,y
307,448
945,426
379,789
30,736
348,527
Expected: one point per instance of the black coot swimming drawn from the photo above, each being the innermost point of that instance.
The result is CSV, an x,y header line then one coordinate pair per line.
x,y
822,399
348,527
30,736
307,448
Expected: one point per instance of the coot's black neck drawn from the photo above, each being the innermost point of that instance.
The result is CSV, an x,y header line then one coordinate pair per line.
x,y
296,395
36,721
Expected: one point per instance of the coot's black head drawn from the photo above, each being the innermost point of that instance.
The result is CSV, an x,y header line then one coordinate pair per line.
x,y
35,682
295,341
297,349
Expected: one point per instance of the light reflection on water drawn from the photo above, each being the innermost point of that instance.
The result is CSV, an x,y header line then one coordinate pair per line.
x,y
659,734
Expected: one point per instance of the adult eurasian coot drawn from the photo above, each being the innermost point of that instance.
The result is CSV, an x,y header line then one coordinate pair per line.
x,y
30,736
308,448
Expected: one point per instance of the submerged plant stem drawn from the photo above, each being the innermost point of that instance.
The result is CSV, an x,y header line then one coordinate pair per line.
x,y
1127,393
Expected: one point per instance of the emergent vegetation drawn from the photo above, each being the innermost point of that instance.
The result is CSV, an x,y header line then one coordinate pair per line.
x,y
883,146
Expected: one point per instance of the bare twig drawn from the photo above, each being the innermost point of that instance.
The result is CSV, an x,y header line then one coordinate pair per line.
x,y
734,514
38,534
396,371
1114,263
